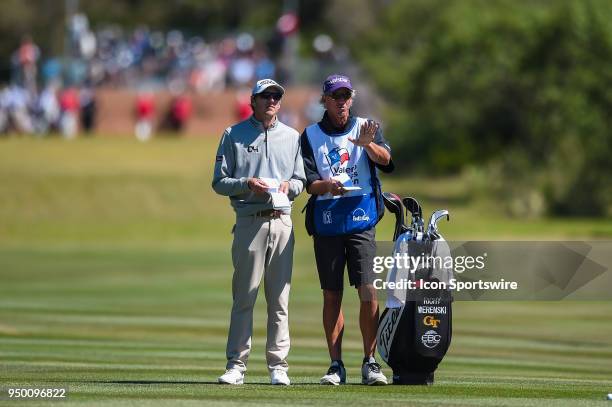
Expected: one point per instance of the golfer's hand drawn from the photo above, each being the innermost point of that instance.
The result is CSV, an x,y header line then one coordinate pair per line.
x,y
284,187
257,186
366,133
335,187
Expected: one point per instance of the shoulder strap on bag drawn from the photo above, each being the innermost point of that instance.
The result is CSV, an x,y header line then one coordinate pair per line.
x,y
377,189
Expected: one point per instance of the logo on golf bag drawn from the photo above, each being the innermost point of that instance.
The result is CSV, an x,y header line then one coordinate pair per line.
x,y
327,218
386,332
431,339
336,158
359,215
431,321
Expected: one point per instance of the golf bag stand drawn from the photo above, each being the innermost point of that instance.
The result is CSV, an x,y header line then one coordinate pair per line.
x,y
415,329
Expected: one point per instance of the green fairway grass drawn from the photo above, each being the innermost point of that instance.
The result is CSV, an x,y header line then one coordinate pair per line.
x,y
115,279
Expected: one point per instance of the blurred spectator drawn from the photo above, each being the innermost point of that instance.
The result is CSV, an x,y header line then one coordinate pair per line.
x,y
214,71
145,113
242,65
289,117
243,104
314,109
3,113
264,67
47,112
26,57
15,103
242,71
180,112
51,70
76,71
87,45
69,104
88,108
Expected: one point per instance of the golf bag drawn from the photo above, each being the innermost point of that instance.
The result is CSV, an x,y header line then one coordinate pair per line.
x,y
415,329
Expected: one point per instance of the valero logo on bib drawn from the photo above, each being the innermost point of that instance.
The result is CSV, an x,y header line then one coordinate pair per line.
x,y
336,158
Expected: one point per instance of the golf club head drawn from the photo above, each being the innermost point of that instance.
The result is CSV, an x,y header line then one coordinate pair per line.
x,y
414,208
432,227
393,203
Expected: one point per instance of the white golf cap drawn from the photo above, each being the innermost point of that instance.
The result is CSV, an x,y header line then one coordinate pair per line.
x,y
264,84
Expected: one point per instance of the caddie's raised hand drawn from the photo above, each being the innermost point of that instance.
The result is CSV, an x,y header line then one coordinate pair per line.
x,y
257,186
366,133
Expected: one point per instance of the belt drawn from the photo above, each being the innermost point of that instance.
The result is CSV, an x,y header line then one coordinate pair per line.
x,y
270,213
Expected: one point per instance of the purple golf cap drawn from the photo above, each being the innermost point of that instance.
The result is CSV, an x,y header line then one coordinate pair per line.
x,y
335,82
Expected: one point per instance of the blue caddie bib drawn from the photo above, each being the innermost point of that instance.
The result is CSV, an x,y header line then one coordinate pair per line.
x,y
355,211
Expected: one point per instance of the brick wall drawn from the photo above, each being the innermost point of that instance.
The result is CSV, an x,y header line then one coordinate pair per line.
x,y
212,112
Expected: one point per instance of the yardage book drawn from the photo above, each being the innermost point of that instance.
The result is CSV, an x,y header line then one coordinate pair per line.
x,y
280,200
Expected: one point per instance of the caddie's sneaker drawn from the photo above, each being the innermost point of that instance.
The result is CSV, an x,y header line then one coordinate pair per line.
x,y
371,374
232,376
278,376
336,374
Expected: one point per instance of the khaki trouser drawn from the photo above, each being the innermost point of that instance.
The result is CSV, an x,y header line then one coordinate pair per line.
x,y
263,246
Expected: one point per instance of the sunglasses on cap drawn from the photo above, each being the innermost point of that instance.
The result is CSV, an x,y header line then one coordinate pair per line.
x,y
270,95
341,94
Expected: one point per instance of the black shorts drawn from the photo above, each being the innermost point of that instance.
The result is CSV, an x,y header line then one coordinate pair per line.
x,y
357,251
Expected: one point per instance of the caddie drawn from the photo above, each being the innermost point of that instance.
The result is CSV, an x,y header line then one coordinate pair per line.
x,y
341,155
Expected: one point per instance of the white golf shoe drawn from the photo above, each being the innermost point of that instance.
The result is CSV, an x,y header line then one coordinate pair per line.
x,y
336,374
279,377
232,376
371,374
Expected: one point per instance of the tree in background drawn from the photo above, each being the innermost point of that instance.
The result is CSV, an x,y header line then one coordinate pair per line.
x,y
521,88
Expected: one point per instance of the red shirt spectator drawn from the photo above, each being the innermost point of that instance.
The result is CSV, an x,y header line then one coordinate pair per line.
x,y
181,108
145,107
69,100
243,105
244,110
